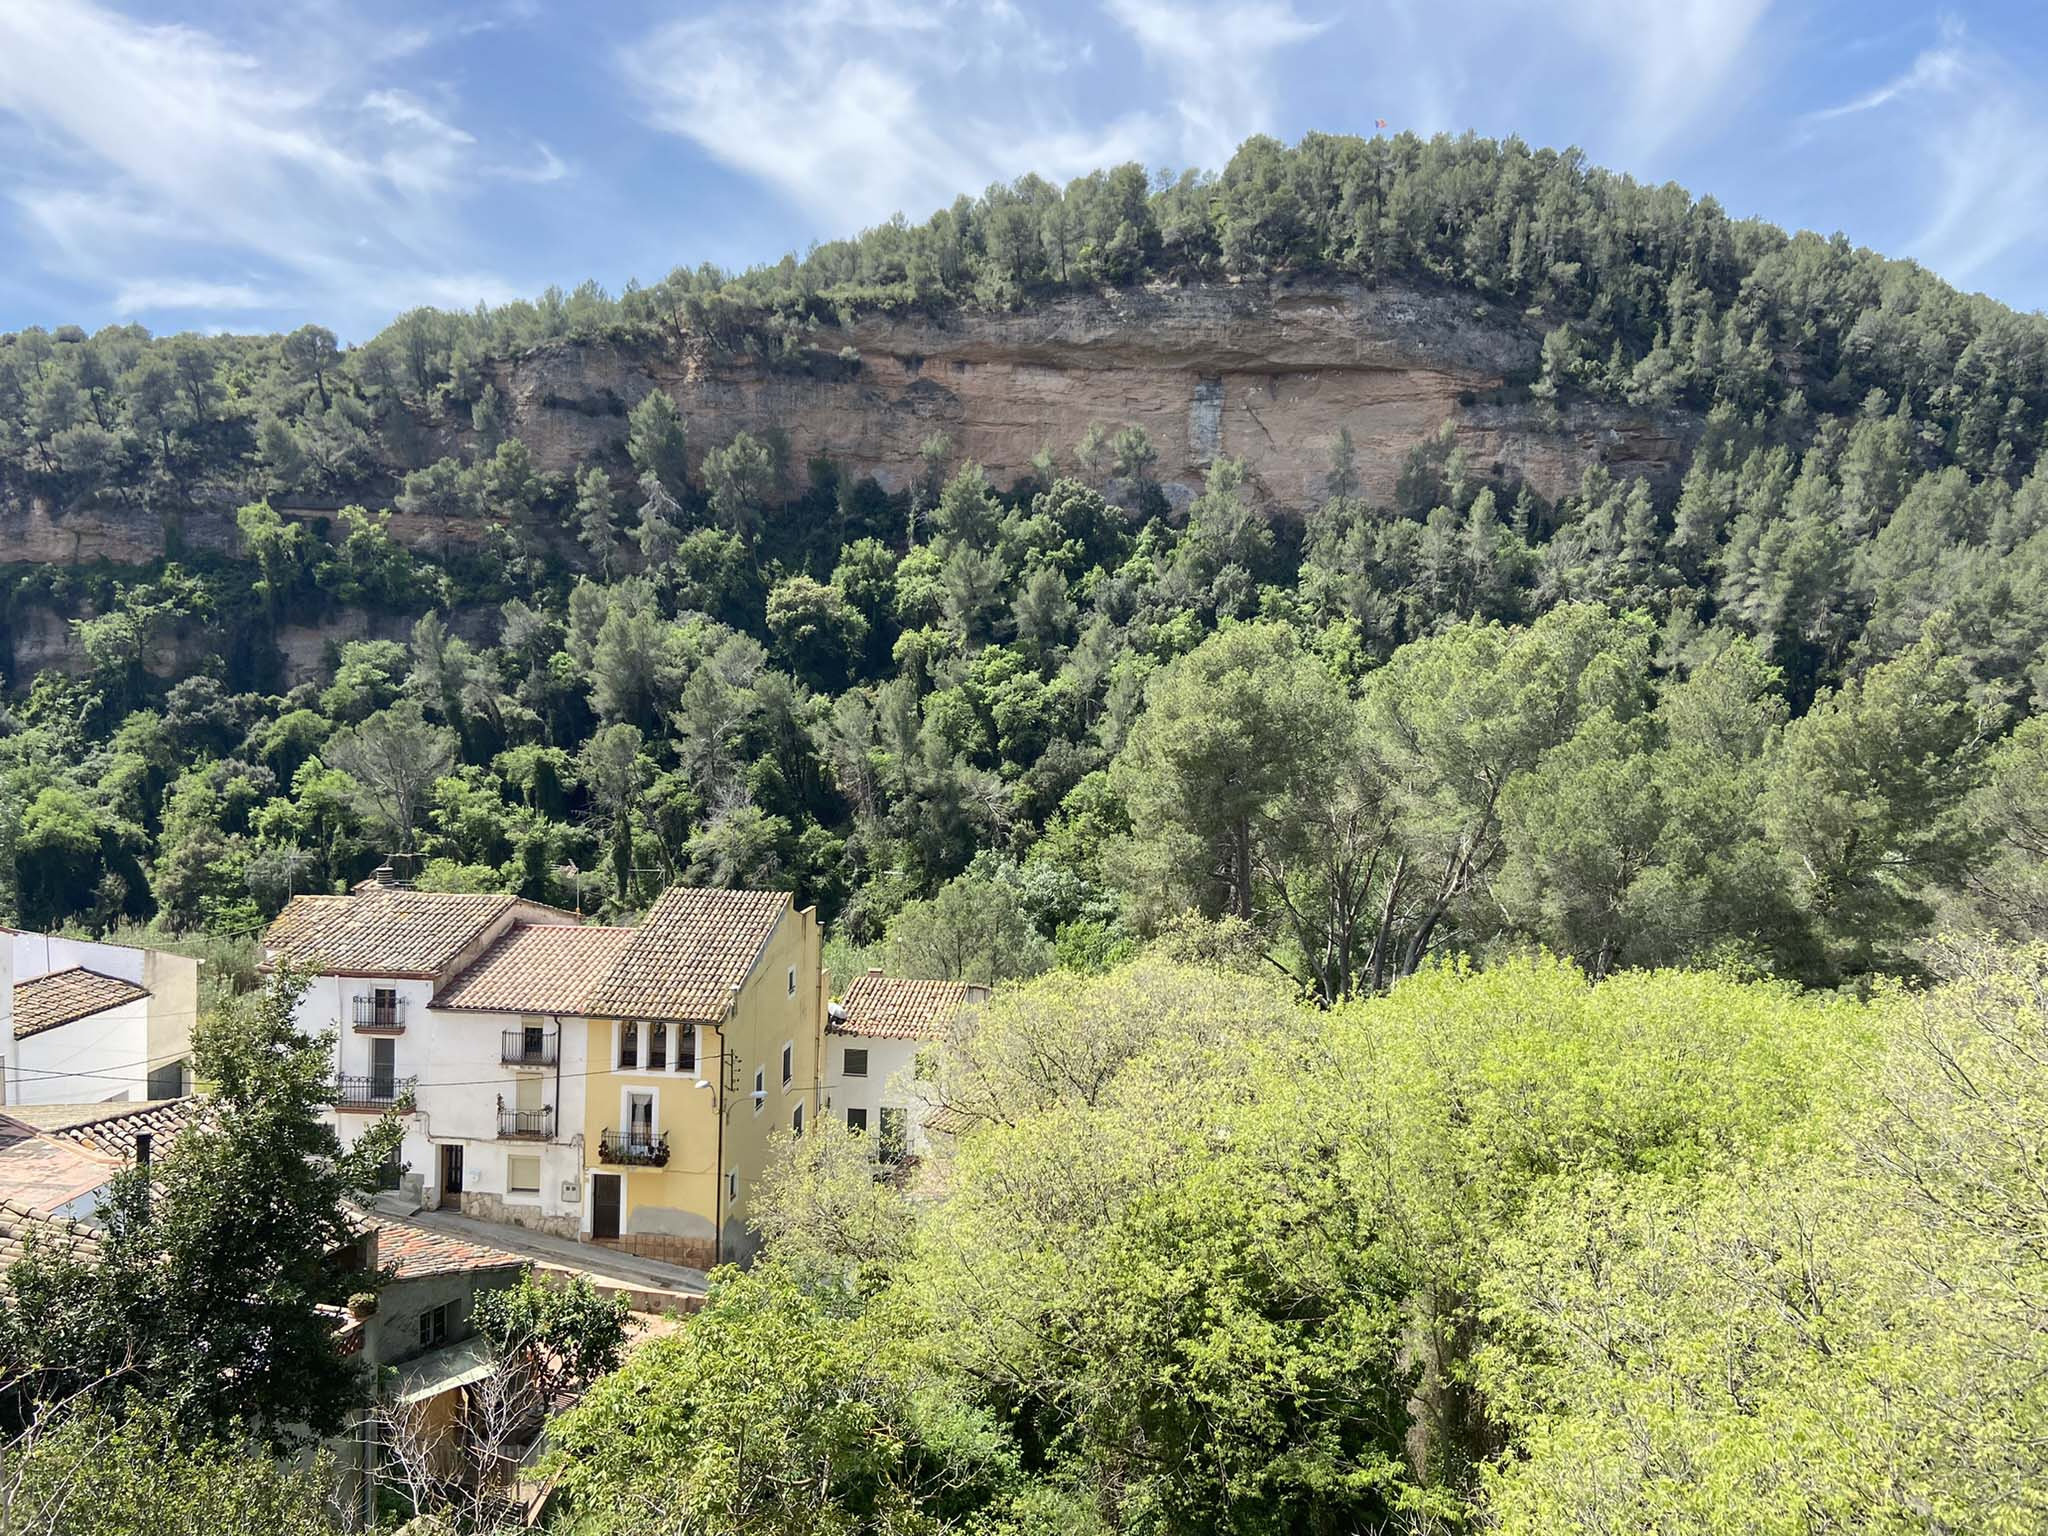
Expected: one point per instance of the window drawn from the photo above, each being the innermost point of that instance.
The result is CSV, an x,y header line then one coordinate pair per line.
x,y
788,1064
857,1120
383,1069
856,1062
526,1092
533,1042
629,1046
384,1006
657,1047
732,1184
893,1147
640,1118
760,1089
686,1049
792,981
522,1175
796,1121
435,1325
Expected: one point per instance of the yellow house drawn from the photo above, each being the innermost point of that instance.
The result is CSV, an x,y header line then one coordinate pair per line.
x,y
706,1038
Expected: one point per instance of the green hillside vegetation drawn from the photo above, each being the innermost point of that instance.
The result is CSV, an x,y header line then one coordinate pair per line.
x,y
1778,717
1503,1250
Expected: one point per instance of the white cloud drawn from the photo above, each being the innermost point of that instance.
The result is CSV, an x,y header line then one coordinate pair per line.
x,y
859,109
165,149
1671,61
1963,135
149,294
1219,58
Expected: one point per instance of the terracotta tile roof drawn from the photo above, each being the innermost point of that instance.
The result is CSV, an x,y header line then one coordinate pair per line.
x,y
897,1008
415,1253
948,1121
114,1133
538,968
385,930
18,1221
690,951
64,996
41,1173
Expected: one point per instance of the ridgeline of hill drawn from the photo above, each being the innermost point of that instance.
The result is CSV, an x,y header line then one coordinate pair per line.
x,y
939,575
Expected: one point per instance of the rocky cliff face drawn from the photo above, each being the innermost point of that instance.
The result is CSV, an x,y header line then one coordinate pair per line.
x,y
1269,371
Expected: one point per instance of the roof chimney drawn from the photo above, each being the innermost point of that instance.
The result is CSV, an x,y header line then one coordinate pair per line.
x,y
398,869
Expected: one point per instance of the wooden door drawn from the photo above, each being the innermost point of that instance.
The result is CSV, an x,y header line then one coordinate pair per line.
x,y
604,1205
451,1177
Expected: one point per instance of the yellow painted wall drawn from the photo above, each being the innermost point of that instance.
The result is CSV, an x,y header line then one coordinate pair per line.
x,y
764,1019
682,1200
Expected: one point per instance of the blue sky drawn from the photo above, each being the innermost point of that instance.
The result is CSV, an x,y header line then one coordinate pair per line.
x,y
252,164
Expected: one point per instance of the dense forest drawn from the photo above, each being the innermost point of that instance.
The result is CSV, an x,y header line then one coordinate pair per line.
x,y
1519,1013
1774,715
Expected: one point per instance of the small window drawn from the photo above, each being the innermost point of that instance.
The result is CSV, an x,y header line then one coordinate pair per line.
x,y
686,1049
522,1175
435,1324
856,1062
629,1046
732,1184
796,1121
792,981
384,1007
657,1047
760,1088
857,1120
788,1064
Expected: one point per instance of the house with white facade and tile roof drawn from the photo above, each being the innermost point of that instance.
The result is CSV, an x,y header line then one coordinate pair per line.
x,y
91,1021
615,1084
875,1035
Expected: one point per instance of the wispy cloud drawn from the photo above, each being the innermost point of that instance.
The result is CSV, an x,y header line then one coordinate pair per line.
x,y
1219,59
1972,157
1670,61
167,149
859,109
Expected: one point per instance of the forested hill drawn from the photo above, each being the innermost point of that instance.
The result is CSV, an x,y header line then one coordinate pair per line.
x,y
1397,547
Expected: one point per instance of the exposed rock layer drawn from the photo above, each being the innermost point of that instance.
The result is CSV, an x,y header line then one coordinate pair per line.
x,y
1269,371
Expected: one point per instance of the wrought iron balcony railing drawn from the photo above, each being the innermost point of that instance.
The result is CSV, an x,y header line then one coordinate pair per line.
x,y
380,1016
633,1149
375,1093
532,1047
526,1124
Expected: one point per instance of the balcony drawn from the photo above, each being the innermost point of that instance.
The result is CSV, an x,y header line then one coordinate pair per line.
x,y
526,1124
379,1015
633,1149
373,1094
532,1047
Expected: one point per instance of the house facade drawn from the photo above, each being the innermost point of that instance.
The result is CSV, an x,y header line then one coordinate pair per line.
x,y
875,1035
590,1082
92,1022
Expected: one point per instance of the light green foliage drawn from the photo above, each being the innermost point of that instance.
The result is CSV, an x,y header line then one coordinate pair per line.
x,y
779,1408
88,1473
1843,1337
560,1329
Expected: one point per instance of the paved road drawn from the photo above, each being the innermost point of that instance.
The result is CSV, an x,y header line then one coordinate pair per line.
x,y
598,1263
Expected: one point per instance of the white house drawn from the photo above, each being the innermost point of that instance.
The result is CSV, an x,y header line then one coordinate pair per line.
x,y
89,1022
873,1038
451,1008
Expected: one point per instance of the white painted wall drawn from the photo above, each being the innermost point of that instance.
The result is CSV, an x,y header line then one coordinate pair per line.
x,y
38,954
90,1060
458,1059
891,1082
